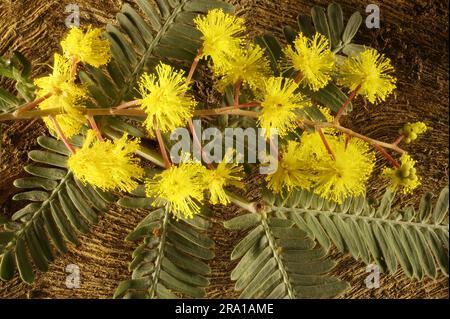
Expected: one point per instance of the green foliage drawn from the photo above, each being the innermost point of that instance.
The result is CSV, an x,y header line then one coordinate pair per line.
x,y
59,207
142,39
18,69
278,260
172,256
415,241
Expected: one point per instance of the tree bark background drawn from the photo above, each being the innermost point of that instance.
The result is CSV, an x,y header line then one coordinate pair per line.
x,y
413,34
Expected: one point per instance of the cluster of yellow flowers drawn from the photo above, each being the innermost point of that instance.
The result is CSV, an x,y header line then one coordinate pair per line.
x,y
60,89
330,164
411,131
307,164
182,188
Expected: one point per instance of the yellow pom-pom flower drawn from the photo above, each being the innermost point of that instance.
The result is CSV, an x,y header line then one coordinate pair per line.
x,y
227,173
293,170
369,71
165,99
87,47
179,188
64,94
346,175
404,177
249,65
280,101
313,59
411,131
220,33
107,165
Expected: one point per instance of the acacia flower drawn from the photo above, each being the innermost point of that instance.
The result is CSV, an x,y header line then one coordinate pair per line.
x,y
280,101
293,171
405,176
179,188
227,173
165,99
344,176
220,33
370,71
313,59
87,47
107,165
411,131
64,94
247,64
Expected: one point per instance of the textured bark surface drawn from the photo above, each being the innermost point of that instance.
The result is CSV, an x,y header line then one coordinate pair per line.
x,y
413,34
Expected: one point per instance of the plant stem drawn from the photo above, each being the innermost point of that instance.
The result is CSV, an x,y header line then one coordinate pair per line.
x,y
94,126
242,203
31,105
351,133
386,155
129,105
196,141
73,69
346,104
274,148
223,111
162,147
194,65
298,77
61,134
398,140
237,93
125,112
327,145
347,140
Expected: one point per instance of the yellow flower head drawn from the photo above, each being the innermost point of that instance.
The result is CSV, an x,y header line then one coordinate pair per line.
x,y
411,131
165,99
64,94
279,104
107,165
313,59
220,33
227,173
88,47
293,171
370,70
347,174
404,176
179,188
249,65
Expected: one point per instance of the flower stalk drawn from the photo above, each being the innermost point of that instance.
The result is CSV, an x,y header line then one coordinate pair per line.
x,y
346,104
61,134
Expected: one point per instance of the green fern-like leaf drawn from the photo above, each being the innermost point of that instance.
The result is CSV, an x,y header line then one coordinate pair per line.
x,y
278,260
59,208
171,260
18,69
415,241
